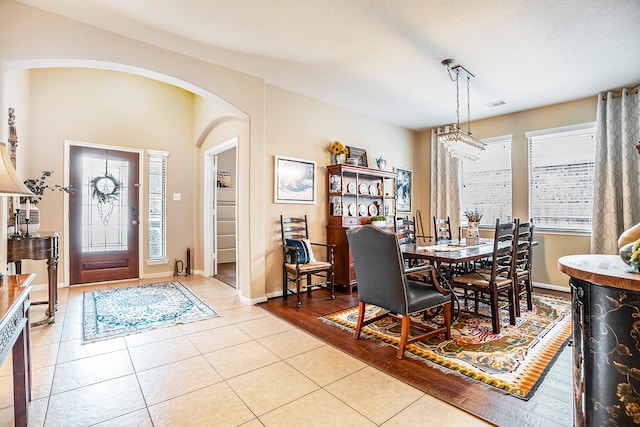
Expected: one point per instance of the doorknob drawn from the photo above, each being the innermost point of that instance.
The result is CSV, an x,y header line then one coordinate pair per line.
x,y
134,222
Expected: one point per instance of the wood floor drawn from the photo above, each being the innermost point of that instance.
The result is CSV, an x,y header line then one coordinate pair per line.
x,y
551,404
227,273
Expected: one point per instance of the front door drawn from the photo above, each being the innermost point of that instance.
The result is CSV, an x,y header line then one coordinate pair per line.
x,y
103,215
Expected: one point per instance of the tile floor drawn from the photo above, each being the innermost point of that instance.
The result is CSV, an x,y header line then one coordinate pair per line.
x,y
244,368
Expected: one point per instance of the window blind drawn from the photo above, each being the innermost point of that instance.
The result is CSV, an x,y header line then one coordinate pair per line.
x,y
486,183
561,173
157,204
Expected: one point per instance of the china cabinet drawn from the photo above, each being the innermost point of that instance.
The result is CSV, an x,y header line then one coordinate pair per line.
x,y
355,194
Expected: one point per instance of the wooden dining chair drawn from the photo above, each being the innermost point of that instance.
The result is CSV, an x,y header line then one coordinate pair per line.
x,y
442,229
406,229
298,258
496,280
383,282
522,282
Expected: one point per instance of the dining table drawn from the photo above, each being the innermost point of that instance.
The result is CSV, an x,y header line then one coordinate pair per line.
x,y
449,251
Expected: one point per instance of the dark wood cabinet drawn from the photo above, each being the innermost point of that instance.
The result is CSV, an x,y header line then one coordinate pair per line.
x,y
606,307
43,246
355,195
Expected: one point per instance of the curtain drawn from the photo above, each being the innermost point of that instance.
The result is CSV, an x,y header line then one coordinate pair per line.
x,y
616,205
445,197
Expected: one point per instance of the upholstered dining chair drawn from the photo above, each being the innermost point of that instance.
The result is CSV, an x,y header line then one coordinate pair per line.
x,y
522,273
497,279
382,282
298,258
442,229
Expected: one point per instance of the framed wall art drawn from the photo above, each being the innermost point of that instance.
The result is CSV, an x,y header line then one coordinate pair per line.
x,y
224,180
404,187
360,154
295,180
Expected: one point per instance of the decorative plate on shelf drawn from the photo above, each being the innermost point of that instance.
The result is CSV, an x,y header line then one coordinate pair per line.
x,y
352,209
351,188
362,210
373,210
373,190
363,189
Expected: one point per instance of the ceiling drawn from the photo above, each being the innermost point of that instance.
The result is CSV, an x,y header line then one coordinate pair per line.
x,y
383,58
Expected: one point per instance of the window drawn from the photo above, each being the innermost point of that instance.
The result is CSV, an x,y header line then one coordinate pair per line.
x,y
486,184
157,205
561,173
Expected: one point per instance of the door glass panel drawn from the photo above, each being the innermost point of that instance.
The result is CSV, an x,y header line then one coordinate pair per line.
x,y
104,219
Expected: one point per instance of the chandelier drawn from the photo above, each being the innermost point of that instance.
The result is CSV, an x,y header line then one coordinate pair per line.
x,y
459,143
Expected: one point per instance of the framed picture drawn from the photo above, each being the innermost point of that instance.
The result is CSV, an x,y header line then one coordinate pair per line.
x,y
224,180
404,187
295,180
360,154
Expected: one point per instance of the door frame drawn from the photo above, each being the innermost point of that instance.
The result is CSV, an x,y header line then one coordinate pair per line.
x,y
209,213
141,193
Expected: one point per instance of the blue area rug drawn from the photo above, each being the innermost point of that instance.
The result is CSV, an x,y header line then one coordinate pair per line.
x,y
110,313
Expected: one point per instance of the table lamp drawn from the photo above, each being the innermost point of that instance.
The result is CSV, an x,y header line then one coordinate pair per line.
x,y
10,185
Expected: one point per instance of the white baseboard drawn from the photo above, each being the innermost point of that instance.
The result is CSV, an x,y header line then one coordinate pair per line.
x,y
552,287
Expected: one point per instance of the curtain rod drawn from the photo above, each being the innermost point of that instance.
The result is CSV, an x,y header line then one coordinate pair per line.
x,y
619,93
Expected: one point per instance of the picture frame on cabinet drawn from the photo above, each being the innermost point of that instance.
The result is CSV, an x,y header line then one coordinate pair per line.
x,y
360,154
404,188
294,180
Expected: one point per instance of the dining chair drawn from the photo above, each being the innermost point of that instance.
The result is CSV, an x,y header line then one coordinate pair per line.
x,y
298,258
406,229
442,229
522,272
496,280
382,282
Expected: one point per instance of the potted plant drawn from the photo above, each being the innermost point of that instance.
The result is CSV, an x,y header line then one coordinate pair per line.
x,y
29,207
378,220
38,187
473,219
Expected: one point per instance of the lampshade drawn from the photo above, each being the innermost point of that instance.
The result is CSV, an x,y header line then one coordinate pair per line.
x,y
10,183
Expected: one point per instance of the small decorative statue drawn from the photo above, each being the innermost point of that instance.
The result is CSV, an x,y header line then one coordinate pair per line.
x,y
382,163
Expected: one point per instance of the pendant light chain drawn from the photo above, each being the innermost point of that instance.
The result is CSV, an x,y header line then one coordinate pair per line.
x,y
468,105
457,101
458,142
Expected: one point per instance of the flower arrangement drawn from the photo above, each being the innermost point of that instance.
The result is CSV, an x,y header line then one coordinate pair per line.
x,y
378,218
336,148
473,216
635,252
39,186
338,152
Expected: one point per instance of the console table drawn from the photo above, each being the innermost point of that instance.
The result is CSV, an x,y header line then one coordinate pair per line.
x,y
41,246
606,339
14,335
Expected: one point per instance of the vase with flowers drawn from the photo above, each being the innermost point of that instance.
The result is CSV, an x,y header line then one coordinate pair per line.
x,y
338,152
29,211
473,219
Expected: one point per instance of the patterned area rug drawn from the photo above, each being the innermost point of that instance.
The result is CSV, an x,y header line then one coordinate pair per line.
x,y
515,360
110,313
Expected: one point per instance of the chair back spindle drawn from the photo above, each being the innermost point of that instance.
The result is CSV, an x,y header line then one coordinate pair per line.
x,y
442,229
